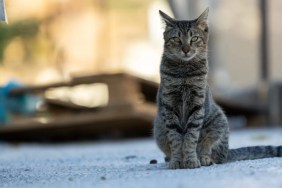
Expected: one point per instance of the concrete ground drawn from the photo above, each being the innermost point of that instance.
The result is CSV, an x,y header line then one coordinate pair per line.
x,y
125,164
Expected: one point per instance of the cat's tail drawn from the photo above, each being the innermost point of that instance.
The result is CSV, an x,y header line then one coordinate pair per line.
x,y
254,152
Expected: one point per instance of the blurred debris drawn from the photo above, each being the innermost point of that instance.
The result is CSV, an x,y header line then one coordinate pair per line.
x,y
129,157
153,161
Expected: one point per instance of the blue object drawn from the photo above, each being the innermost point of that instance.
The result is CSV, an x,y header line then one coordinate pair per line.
x,y
4,117
24,104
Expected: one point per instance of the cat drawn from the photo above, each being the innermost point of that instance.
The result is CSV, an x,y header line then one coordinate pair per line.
x,y
190,128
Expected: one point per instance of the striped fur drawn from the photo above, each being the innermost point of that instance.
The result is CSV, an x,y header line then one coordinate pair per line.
x,y
190,128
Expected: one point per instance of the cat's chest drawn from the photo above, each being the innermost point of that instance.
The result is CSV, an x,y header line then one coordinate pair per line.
x,y
184,86
178,95
178,92
182,93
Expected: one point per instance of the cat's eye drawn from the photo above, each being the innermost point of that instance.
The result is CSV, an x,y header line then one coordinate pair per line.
x,y
194,39
176,39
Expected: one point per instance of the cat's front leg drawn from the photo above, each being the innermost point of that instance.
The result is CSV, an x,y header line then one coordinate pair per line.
x,y
193,127
175,143
190,159
173,132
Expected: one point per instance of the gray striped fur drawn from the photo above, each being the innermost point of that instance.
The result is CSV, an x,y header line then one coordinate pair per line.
x,y
190,128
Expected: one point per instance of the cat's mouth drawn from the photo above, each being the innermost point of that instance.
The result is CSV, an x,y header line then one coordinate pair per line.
x,y
188,57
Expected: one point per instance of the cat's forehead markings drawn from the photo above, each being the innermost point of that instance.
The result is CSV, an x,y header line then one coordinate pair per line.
x,y
184,27
191,32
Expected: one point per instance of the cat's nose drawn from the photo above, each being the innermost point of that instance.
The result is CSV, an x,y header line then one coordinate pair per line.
x,y
185,49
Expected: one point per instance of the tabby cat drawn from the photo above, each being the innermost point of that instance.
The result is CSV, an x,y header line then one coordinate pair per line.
x,y
190,128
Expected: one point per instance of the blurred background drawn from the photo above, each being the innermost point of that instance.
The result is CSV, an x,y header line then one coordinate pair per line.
x,y
89,69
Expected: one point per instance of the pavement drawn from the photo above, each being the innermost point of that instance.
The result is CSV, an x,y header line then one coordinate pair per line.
x,y
122,164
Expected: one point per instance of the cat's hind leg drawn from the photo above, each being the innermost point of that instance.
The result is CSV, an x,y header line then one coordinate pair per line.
x,y
220,151
212,139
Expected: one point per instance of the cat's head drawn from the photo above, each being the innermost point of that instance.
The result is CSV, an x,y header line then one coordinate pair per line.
x,y
185,39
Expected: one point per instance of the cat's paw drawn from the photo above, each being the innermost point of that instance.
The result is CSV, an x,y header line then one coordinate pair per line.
x,y
174,164
191,163
205,160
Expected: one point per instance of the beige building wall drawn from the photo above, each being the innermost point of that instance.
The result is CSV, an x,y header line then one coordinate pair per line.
x,y
85,37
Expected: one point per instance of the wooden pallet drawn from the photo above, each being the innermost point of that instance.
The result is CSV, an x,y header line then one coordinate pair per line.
x,y
130,112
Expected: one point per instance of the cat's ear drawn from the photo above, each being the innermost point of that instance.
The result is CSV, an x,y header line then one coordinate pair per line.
x,y
167,20
202,20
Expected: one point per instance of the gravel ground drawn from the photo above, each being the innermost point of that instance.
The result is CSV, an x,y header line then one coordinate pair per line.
x,y
124,164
